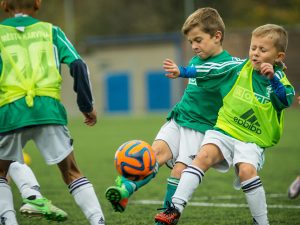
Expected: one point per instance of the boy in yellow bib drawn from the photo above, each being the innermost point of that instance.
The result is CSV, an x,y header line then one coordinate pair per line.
x,y
250,120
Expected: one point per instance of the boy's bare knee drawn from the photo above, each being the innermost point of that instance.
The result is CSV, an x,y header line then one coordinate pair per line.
x,y
203,160
246,171
162,152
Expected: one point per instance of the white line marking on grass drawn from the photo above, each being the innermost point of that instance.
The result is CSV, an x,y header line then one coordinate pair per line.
x,y
229,197
207,204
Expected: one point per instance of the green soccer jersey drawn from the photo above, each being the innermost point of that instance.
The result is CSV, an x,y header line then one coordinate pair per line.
x,y
46,110
198,107
262,91
225,77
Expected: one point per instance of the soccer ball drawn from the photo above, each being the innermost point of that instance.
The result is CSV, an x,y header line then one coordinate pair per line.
x,y
135,160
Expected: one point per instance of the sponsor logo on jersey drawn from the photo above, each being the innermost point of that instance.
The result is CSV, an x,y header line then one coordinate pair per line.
x,y
192,81
247,95
249,121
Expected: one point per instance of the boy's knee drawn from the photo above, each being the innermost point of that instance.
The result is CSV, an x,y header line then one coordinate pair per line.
x,y
246,171
204,160
162,152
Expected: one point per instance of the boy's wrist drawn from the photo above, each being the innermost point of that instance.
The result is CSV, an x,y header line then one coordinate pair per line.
x,y
187,72
181,71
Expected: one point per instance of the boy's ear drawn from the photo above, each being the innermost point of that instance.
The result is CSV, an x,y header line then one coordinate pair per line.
x,y
4,6
280,57
218,35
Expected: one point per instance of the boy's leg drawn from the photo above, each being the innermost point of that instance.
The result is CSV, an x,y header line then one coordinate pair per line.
x,y
7,212
248,158
171,189
119,194
191,177
172,184
189,181
294,189
61,152
256,199
82,190
189,145
33,202
24,179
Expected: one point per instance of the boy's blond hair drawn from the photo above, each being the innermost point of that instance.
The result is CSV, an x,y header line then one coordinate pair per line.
x,y
275,32
12,5
207,19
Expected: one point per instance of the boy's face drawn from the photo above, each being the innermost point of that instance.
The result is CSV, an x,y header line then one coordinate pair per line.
x,y
203,44
262,50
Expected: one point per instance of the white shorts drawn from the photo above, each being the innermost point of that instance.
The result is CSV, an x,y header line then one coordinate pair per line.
x,y
234,151
183,142
53,141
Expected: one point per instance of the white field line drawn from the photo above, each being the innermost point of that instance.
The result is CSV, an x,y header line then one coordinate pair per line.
x,y
224,205
229,197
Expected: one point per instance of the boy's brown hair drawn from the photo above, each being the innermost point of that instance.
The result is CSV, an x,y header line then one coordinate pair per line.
x,y
275,32
13,5
207,19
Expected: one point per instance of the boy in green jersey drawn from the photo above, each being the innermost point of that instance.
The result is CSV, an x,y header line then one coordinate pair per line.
x,y
255,93
30,107
180,137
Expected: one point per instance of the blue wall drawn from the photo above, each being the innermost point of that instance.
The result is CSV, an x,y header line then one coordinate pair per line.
x,y
156,95
118,96
158,91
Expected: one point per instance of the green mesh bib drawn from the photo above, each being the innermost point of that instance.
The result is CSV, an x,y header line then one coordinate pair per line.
x,y
243,117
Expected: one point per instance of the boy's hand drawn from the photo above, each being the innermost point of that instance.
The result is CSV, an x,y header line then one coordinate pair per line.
x,y
171,68
298,98
90,118
267,70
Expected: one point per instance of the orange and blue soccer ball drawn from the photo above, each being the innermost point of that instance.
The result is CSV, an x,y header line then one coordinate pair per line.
x,y
135,160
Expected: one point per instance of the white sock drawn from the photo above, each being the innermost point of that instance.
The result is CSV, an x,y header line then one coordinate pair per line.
x,y
256,199
7,212
85,197
190,179
24,179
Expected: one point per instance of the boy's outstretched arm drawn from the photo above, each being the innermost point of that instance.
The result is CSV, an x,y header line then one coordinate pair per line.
x,y
82,87
174,71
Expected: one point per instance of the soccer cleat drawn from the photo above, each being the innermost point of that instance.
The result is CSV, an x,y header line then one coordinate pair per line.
x,y
42,207
168,217
117,196
119,206
294,189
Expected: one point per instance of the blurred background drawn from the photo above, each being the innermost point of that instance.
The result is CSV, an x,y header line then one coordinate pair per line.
x,y
125,41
